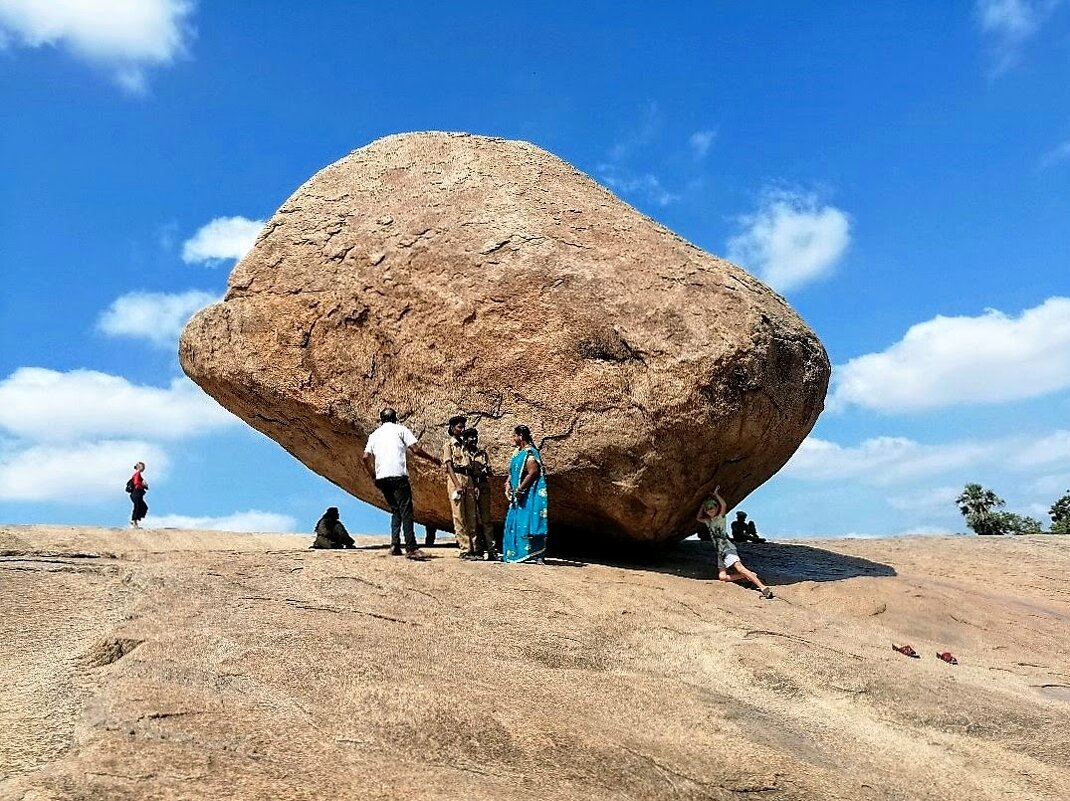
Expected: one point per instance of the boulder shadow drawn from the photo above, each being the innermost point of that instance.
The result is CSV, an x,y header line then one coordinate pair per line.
x,y
777,563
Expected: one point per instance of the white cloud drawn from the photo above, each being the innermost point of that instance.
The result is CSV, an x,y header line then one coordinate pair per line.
x,y
929,531
959,360
250,521
223,238
701,141
50,406
1039,511
1052,449
918,531
886,461
1012,19
926,500
647,126
791,240
75,473
883,460
155,316
124,36
646,186
1057,155
1010,24
1051,486
619,172
921,531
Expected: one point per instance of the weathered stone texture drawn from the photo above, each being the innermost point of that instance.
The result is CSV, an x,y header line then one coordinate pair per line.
x,y
444,273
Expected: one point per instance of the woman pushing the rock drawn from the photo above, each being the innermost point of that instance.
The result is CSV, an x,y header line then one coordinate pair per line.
x,y
729,567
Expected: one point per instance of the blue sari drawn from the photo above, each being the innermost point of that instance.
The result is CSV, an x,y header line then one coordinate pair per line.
x,y
525,522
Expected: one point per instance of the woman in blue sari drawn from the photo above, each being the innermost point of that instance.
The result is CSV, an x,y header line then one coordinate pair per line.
x,y
525,522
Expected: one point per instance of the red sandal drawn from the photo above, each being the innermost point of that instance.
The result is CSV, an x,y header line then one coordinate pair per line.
x,y
948,657
906,650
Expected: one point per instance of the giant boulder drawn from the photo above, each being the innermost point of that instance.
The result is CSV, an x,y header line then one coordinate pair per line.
x,y
449,273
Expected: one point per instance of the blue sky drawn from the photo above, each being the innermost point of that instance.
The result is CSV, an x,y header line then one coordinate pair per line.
x,y
901,173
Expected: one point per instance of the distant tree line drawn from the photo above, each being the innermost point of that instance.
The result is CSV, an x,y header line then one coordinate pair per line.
x,y
981,508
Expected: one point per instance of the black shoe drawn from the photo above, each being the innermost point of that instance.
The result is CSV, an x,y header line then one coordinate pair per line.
x,y
395,551
468,556
493,556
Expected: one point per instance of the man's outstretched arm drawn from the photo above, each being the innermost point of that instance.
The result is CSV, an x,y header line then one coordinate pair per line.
x,y
418,450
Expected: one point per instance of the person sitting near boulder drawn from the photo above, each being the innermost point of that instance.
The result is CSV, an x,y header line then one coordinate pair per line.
x,y
744,530
330,533
712,513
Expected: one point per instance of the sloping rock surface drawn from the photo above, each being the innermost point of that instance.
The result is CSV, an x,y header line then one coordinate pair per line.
x,y
449,273
267,671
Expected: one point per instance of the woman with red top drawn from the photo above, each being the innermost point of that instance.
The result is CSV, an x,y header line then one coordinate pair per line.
x,y
137,488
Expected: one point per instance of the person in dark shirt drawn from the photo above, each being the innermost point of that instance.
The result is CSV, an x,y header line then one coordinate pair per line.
x,y
137,486
744,530
330,533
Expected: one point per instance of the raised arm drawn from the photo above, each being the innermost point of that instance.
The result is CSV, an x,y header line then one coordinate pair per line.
x,y
723,507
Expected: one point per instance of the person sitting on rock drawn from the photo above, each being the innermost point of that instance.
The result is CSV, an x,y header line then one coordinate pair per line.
x,y
729,566
744,530
330,533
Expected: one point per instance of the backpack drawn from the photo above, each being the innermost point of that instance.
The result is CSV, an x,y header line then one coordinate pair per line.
x,y
130,484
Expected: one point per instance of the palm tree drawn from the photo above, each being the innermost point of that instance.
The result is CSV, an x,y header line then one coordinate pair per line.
x,y
1060,515
976,504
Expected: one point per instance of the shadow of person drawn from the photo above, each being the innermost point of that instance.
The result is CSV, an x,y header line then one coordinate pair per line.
x,y
778,563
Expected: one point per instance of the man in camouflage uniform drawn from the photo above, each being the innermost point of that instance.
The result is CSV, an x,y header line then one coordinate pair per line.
x,y
455,461
479,472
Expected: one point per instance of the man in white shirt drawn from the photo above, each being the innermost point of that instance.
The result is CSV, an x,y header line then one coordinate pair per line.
x,y
385,458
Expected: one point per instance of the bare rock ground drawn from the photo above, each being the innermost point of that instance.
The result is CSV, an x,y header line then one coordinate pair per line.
x,y
201,665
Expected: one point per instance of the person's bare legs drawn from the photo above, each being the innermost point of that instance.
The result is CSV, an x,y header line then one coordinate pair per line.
x,y
743,574
749,575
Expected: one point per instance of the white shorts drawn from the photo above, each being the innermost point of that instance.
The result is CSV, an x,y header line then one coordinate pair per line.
x,y
730,559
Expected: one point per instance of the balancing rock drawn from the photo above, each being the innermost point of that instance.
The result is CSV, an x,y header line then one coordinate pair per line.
x,y
445,273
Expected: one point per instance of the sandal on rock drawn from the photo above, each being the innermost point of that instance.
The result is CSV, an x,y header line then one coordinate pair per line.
x,y
906,650
768,593
948,657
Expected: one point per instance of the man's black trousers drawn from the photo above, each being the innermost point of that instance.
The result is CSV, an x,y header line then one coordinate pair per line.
x,y
398,494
